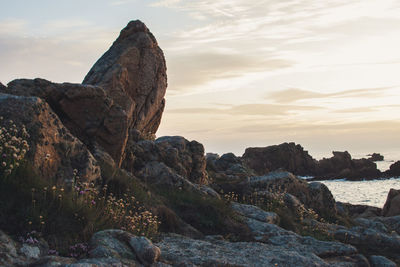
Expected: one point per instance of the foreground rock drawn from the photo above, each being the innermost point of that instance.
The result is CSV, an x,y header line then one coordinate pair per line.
x,y
182,251
54,151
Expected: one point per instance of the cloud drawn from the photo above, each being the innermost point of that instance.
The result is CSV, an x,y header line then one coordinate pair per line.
x,y
198,68
294,94
12,26
121,2
265,110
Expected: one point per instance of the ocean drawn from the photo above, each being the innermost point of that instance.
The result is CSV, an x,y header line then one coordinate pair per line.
x,y
372,192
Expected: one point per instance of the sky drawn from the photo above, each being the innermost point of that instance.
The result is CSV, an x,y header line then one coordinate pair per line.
x,y
241,73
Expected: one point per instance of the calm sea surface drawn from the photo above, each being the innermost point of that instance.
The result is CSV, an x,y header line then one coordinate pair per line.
x,y
372,193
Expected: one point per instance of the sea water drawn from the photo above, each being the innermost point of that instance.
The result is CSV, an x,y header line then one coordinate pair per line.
x,y
372,192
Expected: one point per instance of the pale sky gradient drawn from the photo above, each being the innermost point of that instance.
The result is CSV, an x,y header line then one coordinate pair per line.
x,y
241,73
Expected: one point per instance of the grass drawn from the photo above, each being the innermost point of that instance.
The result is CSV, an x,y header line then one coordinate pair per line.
x,y
208,215
65,217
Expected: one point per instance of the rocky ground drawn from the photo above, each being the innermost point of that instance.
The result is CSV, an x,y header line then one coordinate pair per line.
x,y
212,210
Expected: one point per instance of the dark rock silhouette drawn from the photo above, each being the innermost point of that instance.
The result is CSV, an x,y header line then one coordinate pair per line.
x,y
394,169
376,157
288,156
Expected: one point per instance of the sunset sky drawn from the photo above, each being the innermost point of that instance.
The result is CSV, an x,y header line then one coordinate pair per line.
x,y
241,73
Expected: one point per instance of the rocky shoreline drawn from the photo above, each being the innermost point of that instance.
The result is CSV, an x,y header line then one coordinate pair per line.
x,y
90,156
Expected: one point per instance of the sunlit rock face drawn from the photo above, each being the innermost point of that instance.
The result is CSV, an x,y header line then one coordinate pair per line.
x,y
133,73
123,93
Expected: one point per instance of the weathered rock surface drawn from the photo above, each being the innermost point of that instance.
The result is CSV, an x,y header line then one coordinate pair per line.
x,y
357,211
123,91
185,158
13,253
133,72
287,156
118,244
255,213
54,151
392,204
380,261
182,251
313,195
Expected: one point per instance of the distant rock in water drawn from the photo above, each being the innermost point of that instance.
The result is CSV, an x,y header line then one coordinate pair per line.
x,y
295,159
394,169
376,157
287,156
122,93
341,165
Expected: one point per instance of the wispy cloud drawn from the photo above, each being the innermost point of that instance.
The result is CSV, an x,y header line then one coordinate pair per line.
x,y
294,94
265,110
121,2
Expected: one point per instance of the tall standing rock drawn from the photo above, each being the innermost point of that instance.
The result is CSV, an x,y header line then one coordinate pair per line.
x,y
133,73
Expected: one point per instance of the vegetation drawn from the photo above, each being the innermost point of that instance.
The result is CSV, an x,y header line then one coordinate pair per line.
x,y
64,215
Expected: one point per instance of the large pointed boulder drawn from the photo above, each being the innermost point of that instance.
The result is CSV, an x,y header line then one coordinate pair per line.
x,y
133,73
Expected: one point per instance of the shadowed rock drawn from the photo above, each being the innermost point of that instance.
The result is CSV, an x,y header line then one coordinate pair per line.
x,y
287,156
54,151
392,204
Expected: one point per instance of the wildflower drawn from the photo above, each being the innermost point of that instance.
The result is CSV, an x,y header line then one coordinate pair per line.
x,y
4,164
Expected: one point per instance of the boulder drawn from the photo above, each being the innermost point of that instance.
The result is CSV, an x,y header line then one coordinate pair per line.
x,y
123,246
256,213
357,211
133,72
13,253
145,251
380,261
185,158
315,196
376,157
287,156
392,204
54,151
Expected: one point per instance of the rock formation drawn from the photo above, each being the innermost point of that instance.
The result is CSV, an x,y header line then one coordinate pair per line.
x,y
287,156
375,157
133,73
394,170
123,92
54,151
